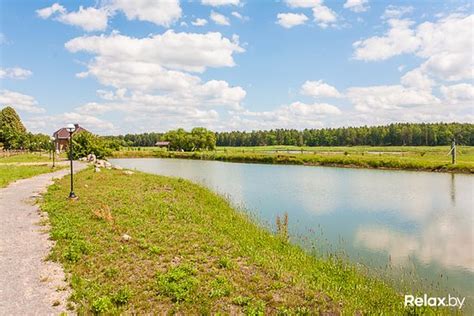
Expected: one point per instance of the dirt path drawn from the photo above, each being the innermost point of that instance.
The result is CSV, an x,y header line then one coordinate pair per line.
x,y
29,285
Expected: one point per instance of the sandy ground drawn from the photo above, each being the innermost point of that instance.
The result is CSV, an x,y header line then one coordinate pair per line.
x,y
29,285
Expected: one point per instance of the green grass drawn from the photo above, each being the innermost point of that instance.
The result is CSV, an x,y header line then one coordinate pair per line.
x,y
12,173
29,157
191,253
406,158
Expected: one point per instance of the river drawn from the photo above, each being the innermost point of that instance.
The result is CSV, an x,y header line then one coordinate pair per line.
x,y
403,224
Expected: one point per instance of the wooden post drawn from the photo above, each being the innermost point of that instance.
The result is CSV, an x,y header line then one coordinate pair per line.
x,y
453,151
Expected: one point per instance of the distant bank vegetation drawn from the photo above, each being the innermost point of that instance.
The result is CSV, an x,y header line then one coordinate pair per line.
x,y
399,134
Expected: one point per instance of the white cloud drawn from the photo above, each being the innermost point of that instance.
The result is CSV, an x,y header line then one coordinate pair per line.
x,y
459,93
45,123
199,22
159,12
239,16
296,115
357,5
15,73
417,79
185,51
447,46
217,3
153,80
399,39
219,18
303,3
19,101
396,12
46,13
288,20
319,89
90,19
443,44
324,16
394,97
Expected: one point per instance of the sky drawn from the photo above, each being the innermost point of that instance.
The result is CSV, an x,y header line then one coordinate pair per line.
x,y
121,66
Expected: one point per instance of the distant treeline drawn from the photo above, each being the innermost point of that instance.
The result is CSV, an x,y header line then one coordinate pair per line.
x,y
400,134
388,135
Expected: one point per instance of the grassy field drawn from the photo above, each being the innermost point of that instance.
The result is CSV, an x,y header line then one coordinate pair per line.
x,y
190,252
26,157
406,158
12,173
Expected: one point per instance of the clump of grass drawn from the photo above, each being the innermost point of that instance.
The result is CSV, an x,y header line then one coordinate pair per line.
x,y
241,300
104,213
122,296
102,305
282,227
75,250
220,287
178,283
225,263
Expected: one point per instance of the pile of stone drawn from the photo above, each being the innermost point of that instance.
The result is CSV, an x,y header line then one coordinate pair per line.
x,y
102,163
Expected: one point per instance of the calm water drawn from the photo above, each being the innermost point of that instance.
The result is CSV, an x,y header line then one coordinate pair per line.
x,y
416,221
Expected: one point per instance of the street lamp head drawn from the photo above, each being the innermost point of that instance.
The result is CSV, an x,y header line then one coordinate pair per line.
x,y
70,128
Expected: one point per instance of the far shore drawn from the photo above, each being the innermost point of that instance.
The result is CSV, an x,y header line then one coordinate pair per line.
x,y
428,159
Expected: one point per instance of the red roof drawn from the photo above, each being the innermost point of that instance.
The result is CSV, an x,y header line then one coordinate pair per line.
x,y
62,133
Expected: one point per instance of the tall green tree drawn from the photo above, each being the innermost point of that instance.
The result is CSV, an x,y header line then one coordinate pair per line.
x,y
12,131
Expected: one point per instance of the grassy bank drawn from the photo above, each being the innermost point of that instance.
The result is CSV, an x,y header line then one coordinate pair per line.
x,y
26,157
404,158
10,173
190,252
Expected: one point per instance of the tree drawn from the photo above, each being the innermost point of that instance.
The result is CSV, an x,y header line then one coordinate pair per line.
x,y
86,143
12,130
198,139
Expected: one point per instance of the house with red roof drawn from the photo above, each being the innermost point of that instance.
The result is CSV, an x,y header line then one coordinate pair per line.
x,y
61,137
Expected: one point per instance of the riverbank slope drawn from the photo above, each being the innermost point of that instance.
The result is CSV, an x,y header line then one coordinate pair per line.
x,y
140,243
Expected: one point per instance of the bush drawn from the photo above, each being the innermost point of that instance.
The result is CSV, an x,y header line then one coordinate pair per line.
x,y
86,143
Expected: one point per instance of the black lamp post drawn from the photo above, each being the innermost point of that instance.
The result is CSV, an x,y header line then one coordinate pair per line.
x,y
71,128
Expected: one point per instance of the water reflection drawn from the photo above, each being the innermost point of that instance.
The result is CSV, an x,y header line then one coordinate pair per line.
x,y
445,240
453,189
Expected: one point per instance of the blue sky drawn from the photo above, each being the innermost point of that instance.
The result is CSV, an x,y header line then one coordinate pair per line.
x,y
121,66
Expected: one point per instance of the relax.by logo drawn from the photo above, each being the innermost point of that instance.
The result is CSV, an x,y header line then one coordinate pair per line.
x,y
425,300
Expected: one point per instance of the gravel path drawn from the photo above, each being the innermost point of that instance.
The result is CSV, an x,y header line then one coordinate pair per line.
x,y
29,285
